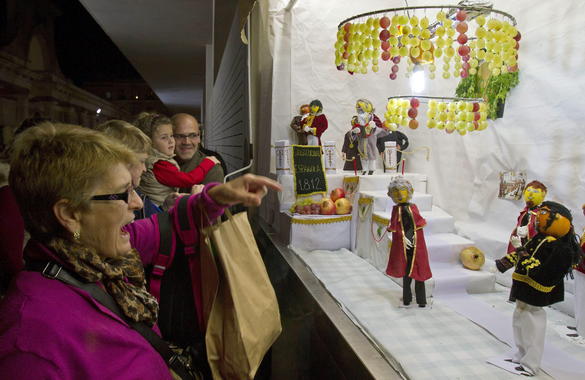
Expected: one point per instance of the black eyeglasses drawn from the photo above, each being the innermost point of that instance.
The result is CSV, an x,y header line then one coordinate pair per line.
x,y
190,136
114,197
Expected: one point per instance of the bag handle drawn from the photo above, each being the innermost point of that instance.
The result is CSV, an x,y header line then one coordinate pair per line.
x,y
210,223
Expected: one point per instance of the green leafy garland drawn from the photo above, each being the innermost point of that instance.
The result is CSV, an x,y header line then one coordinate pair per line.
x,y
495,90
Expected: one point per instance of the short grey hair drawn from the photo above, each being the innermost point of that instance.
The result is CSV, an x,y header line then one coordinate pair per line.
x,y
400,183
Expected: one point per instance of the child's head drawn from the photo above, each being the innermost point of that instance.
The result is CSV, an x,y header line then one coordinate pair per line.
x,y
400,190
159,129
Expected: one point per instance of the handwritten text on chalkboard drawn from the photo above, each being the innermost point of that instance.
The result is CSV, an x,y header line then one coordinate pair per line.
x,y
308,170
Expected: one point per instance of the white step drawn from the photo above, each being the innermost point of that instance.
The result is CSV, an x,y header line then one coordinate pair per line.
x,y
438,221
382,201
445,247
454,277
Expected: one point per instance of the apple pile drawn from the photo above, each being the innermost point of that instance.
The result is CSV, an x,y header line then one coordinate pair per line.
x,y
335,204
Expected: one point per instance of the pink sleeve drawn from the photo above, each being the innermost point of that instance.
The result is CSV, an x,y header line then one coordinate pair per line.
x,y
144,233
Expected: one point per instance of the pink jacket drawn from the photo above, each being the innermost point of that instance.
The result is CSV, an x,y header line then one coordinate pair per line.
x,y
50,330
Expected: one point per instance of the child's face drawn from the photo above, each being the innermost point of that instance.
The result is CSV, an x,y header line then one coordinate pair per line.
x,y
163,141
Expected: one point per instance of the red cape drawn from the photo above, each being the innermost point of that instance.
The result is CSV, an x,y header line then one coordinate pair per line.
x,y
420,269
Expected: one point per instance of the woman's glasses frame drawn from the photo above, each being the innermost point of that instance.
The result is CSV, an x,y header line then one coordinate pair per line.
x,y
125,196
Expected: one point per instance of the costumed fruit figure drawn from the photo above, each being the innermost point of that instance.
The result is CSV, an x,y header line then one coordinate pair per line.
x,y
540,267
367,133
534,194
409,258
401,144
315,124
297,121
351,155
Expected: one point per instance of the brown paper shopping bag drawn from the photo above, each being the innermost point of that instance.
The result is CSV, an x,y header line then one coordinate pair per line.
x,y
244,320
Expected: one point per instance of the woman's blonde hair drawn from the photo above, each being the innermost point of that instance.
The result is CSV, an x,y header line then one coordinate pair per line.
x,y
127,134
149,122
51,162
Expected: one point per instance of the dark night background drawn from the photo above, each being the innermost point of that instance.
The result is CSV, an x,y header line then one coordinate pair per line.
x,y
84,50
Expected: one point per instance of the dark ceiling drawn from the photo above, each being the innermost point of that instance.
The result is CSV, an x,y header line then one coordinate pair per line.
x,y
165,41
85,52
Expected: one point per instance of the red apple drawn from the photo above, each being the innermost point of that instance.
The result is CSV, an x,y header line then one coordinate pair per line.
x,y
463,50
462,38
337,193
327,206
342,206
412,113
461,15
461,27
384,35
384,22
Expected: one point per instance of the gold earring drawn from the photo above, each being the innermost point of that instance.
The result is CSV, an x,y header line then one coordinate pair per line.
x,y
76,235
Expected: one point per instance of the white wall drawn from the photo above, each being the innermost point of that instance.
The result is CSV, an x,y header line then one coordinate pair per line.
x,y
542,132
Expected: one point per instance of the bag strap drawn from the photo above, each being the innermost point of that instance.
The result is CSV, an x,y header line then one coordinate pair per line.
x,y
165,254
186,226
55,271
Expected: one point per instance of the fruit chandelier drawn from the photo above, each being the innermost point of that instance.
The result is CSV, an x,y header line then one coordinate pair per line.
x,y
449,114
461,36
457,39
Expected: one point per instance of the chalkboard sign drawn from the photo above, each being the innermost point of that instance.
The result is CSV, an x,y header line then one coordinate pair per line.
x,y
308,170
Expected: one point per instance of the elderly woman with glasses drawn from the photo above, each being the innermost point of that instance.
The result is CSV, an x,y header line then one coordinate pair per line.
x,y
73,314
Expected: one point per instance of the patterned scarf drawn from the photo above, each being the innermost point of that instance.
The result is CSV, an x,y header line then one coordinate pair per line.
x,y
122,277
